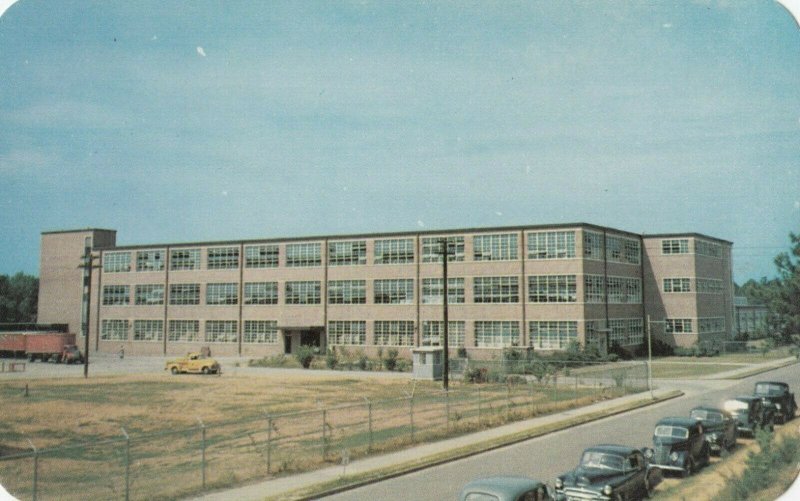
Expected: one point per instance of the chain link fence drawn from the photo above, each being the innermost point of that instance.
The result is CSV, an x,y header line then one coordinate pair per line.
x,y
180,462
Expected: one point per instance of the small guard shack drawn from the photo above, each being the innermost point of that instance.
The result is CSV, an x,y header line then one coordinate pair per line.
x,y
428,361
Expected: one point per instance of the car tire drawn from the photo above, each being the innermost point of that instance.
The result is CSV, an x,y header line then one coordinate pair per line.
x,y
174,370
689,470
205,370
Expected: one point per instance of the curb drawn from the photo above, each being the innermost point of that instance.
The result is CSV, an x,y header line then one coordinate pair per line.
x,y
760,370
374,476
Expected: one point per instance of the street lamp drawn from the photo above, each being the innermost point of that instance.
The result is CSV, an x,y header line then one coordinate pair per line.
x,y
650,353
444,251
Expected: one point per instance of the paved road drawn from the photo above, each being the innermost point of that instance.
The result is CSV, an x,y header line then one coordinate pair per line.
x,y
546,457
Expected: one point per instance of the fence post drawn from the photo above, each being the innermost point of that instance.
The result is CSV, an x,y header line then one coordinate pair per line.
x,y
269,444
35,468
127,464
202,452
369,423
508,401
530,394
324,438
447,410
480,416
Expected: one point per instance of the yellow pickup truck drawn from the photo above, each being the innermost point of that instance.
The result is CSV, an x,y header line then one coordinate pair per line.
x,y
196,363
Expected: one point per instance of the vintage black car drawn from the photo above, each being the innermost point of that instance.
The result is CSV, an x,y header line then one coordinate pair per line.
x,y
719,428
608,472
752,413
679,445
505,489
779,395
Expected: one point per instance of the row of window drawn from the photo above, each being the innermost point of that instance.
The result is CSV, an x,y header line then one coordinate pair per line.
x,y
542,334
681,246
703,285
541,289
495,247
686,325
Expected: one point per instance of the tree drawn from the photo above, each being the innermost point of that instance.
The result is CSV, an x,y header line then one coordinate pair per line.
x,y
784,303
19,295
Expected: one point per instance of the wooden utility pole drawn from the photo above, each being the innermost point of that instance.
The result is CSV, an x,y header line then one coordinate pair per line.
x,y
445,252
87,265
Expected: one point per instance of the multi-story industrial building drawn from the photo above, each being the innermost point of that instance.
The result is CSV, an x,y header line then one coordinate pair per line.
x,y
532,286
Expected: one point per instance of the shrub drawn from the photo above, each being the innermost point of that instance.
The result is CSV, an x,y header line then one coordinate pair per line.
x,y
475,375
331,359
462,352
403,365
390,362
363,361
305,355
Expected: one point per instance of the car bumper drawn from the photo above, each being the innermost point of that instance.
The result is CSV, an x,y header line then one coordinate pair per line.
x,y
578,494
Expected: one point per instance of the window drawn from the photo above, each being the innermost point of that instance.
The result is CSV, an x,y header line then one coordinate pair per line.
x,y
223,258
497,334
227,293
675,246
260,331
114,330
148,330
116,295
551,245
712,324
347,332
431,249
678,325
552,289
395,251
622,250
705,248
184,259
501,247
261,256
261,293
553,334
303,292
347,253
432,291
115,262
182,294
184,331
433,330
618,334
150,260
496,289
624,290
592,245
303,255
676,285
394,333
709,286
594,288
635,331
398,291
347,292
221,331
149,294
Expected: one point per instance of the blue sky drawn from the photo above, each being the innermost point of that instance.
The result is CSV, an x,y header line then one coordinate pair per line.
x,y
187,121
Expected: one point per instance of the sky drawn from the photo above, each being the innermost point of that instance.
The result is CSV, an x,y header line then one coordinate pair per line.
x,y
207,120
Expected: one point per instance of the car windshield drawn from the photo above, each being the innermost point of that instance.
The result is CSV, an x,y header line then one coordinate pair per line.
x,y
664,431
767,389
735,405
706,415
594,459
480,496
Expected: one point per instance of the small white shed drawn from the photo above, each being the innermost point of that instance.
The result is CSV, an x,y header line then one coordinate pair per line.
x,y
428,362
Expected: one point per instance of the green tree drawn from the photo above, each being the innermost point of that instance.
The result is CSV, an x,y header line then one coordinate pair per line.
x,y
784,303
19,296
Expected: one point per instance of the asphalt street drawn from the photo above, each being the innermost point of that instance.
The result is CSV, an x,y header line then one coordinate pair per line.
x,y
546,457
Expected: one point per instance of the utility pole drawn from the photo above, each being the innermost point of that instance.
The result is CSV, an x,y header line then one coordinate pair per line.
x,y
650,353
445,253
87,265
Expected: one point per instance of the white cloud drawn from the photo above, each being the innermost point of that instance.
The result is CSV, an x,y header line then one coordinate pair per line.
x,y
498,213
797,204
201,51
666,25
224,193
420,223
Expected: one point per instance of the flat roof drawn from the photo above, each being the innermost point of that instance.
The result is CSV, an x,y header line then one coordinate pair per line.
x,y
378,235
691,234
77,231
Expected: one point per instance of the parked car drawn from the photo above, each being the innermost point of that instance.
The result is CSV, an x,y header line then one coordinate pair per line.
x,y
679,445
70,355
779,395
194,362
505,489
751,413
608,472
719,427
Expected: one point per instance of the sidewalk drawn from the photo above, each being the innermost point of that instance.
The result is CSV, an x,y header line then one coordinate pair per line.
x,y
425,455
751,369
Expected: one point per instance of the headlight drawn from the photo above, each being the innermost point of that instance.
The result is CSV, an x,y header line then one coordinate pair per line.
x,y
607,490
778,406
713,437
559,483
674,456
648,453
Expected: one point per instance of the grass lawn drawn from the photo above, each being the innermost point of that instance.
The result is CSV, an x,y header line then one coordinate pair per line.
x,y
688,369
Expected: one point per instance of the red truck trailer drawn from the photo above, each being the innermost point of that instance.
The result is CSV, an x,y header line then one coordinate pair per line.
x,y
47,345
12,344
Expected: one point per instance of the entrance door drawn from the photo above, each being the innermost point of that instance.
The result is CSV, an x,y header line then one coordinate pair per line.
x,y
310,338
287,342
